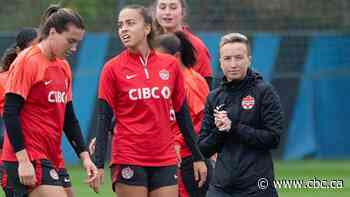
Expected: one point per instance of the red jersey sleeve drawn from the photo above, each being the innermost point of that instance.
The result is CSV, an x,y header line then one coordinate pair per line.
x,y
179,95
68,82
22,76
107,90
203,65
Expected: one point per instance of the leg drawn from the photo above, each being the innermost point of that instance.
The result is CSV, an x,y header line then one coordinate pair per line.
x,y
163,181
167,191
123,190
129,181
48,191
66,182
69,191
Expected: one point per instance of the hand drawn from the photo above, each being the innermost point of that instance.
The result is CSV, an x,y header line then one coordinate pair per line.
x,y
200,172
92,146
95,184
26,173
178,154
90,168
222,122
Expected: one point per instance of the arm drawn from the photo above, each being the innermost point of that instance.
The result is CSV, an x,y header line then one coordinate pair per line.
x,y
72,130
104,117
267,137
185,124
13,105
210,139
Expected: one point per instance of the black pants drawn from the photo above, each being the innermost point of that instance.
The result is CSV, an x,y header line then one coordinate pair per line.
x,y
187,174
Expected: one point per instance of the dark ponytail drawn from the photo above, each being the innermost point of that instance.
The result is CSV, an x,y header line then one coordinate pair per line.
x,y
178,42
23,40
8,57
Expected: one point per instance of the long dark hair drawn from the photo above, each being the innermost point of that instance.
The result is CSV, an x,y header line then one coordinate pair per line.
x,y
172,43
58,18
23,40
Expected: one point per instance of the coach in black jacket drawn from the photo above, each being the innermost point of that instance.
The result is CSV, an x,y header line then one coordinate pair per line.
x,y
243,122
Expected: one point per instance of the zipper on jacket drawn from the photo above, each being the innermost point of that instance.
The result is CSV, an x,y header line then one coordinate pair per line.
x,y
144,63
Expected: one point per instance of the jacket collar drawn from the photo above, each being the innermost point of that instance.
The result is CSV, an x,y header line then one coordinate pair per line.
x,y
248,81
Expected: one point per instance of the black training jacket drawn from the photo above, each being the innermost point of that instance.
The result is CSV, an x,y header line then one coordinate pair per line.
x,y
244,152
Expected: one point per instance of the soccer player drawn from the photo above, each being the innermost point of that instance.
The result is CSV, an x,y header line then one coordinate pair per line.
x,y
139,87
243,122
23,39
168,18
38,107
197,90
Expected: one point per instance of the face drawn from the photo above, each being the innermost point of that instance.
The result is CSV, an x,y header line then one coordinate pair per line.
x,y
169,14
234,60
132,29
65,43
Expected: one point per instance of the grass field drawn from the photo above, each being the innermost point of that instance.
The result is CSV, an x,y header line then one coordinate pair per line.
x,y
330,170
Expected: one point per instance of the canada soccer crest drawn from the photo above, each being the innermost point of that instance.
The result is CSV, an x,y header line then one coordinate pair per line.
x,y
54,174
127,173
164,74
248,102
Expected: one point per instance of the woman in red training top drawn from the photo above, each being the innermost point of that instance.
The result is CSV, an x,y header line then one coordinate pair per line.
x,y
38,107
24,39
138,86
168,18
197,90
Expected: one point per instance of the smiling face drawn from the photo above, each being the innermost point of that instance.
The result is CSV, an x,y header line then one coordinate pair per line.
x,y
132,29
169,14
65,43
234,60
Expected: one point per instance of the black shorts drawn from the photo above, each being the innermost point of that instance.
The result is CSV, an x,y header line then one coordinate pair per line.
x,y
149,177
64,178
45,175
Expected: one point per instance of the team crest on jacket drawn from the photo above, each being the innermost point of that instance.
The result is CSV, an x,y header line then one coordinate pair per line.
x,y
127,173
248,102
164,74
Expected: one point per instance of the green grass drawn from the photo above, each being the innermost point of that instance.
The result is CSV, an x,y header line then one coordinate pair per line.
x,y
330,170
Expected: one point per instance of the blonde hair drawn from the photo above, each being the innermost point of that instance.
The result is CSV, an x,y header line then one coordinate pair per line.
x,y
233,38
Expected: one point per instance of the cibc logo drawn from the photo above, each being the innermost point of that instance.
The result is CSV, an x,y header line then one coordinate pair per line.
x,y
56,97
148,93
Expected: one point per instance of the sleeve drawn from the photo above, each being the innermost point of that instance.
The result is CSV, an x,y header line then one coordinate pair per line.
x,y
106,95
179,94
22,76
210,139
104,117
182,114
107,87
13,105
185,124
68,81
203,66
73,131
272,116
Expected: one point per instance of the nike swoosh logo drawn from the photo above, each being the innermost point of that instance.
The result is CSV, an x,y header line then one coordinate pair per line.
x,y
48,82
130,76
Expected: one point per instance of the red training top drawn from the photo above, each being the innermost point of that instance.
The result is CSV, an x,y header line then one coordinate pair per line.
x,y
140,93
197,91
3,79
46,87
203,65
